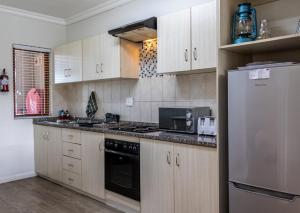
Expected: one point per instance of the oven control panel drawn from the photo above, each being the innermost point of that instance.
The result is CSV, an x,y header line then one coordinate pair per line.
x,y
122,146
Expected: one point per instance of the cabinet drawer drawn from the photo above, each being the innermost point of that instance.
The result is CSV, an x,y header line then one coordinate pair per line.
x,y
72,179
72,150
71,136
72,165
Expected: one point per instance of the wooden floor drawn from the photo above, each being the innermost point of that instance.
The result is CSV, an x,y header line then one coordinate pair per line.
x,y
36,195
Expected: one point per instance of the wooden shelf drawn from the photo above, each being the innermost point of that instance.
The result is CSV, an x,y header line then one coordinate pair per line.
x,y
260,2
265,45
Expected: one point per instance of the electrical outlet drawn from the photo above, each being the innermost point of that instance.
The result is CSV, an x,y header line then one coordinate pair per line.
x,y
129,101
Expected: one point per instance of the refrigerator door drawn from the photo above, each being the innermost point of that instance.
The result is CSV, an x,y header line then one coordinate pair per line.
x,y
243,201
264,129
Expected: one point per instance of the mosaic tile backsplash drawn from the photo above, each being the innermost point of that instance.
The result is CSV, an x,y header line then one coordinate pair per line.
x,y
148,59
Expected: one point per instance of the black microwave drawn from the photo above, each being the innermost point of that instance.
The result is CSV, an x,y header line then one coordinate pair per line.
x,y
183,120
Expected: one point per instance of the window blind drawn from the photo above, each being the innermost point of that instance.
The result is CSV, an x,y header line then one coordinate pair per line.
x,y
31,81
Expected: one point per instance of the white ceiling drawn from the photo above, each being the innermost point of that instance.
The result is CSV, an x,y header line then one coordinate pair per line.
x,y
57,8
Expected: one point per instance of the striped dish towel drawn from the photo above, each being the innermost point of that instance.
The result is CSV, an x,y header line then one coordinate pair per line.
x,y
92,107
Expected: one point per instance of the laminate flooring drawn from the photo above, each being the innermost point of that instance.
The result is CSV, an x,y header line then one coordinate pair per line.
x,y
37,195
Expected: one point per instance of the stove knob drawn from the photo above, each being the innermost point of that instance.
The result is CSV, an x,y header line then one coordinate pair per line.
x,y
125,147
116,145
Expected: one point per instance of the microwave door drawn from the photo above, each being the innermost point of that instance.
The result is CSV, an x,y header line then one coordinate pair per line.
x,y
179,123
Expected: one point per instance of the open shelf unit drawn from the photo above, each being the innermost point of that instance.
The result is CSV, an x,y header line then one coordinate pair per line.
x,y
283,16
266,45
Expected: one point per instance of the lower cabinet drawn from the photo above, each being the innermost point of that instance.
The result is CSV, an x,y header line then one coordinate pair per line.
x,y
157,179
93,163
48,152
178,178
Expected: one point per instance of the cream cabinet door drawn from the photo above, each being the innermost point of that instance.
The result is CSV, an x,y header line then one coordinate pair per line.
x,y
93,163
54,153
109,57
40,150
204,40
91,58
68,63
157,180
174,42
196,179
75,61
61,64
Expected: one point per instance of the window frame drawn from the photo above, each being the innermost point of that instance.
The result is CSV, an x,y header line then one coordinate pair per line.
x,y
47,80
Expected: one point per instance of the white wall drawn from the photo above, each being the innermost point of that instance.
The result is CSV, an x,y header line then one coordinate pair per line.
x,y
16,141
134,11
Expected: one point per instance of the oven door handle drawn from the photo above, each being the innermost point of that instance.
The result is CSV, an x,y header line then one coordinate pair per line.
x,y
122,154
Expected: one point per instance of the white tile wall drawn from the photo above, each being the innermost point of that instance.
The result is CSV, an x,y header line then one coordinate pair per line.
x,y
149,94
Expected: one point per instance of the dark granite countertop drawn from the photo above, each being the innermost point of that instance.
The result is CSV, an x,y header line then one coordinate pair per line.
x,y
160,135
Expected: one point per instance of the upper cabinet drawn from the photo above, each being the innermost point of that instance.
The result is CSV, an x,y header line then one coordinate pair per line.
x,y
187,39
204,40
68,63
103,55
174,42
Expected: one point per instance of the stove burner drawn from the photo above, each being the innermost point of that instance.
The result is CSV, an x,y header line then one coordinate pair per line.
x,y
137,129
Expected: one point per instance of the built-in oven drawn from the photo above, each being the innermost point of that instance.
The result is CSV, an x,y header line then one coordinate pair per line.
x,y
122,168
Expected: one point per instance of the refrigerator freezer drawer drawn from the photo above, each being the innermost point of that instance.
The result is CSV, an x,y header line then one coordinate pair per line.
x,y
241,200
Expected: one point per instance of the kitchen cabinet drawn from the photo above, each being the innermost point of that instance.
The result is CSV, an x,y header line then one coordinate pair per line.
x,y
187,40
174,42
204,40
48,152
195,179
40,150
68,63
103,55
93,163
157,179
178,178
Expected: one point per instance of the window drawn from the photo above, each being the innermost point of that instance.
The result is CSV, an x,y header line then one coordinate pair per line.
x,y
31,81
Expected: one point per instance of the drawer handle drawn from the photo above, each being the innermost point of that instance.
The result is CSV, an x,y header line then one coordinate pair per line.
x,y
71,150
70,165
71,179
71,136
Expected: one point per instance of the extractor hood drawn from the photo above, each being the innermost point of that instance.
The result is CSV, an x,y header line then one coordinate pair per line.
x,y
138,31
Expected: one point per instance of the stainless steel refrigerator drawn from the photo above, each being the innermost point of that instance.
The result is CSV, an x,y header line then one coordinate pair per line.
x,y
264,140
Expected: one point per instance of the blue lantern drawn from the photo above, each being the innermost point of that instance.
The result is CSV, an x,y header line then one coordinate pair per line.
x,y
244,26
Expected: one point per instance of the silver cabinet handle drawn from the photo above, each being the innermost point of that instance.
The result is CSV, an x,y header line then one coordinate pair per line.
x,y
97,68
195,54
169,158
70,150
70,165
178,160
70,136
100,147
71,179
186,56
101,67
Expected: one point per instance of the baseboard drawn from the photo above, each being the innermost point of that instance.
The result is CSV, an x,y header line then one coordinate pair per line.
x,y
17,177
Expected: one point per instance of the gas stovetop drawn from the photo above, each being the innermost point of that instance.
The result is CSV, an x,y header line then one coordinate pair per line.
x,y
137,129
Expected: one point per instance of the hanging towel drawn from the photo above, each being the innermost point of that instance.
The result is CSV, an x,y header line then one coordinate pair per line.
x,y
33,102
92,107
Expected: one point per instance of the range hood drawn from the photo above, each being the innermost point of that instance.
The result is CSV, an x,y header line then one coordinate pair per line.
x,y
138,31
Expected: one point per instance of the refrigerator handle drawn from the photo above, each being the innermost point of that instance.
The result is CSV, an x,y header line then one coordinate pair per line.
x,y
266,192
